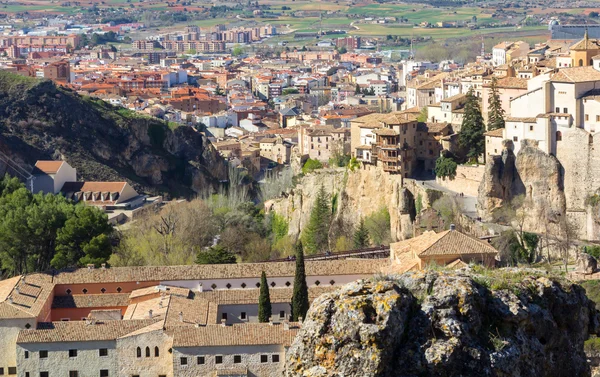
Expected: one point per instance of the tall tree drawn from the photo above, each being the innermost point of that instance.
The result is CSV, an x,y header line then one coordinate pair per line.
x,y
316,234
264,300
300,295
361,235
495,110
471,136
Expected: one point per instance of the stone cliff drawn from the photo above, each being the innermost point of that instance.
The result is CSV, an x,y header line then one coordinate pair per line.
x,y
42,121
358,194
533,174
440,323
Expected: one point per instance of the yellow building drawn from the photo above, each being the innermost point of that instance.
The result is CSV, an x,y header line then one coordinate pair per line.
x,y
583,51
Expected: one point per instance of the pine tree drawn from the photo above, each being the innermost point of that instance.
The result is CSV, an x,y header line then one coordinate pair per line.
x,y
471,136
316,233
264,300
300,295
495,112
361,235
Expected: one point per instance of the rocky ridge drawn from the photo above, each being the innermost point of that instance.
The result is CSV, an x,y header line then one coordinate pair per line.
x,y
510,322
104,143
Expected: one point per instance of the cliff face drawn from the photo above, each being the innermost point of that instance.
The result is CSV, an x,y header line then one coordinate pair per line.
x,y
104,143
359,194
533,174
502,323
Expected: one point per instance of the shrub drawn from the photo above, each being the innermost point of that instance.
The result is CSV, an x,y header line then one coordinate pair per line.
x,y
445,167
310,165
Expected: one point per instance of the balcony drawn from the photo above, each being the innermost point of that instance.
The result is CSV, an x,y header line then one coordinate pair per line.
x,y
386,158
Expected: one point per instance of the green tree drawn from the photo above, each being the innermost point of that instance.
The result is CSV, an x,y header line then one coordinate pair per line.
x,y
357,89
300,302
279,227
471,136
292,90
237,51
423,115
219,91
378,226
495,112
316,234
215,255
76,237
445,167
264,300
361,235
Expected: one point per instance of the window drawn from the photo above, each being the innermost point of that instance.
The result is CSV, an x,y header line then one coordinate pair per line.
x,y
183,360
219,359
264,358
282,314
587,116
103,290
273,284
43,354
44,374
237,359
200,360
557,110
147,351
72,353
515,138
85,291
597,118
69,291
558,136
26,374
224,316
119,289
275,358
73,373
27,354
243,316
103,352
103,372
1,371
139,352
228,286
156,352
12,370
565,110
243,285
530,128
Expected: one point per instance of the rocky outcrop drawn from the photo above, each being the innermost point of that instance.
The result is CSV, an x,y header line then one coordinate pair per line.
x,y
501,323
586,264
358,194
104,143
532,174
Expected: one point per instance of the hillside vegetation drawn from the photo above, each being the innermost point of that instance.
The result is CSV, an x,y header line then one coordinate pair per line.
x,y
39,120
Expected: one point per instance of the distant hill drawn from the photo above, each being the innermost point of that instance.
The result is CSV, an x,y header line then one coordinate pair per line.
x,y
39,120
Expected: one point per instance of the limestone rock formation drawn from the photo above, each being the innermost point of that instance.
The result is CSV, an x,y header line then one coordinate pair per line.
x,y
586,264
510,322
358,193
532,174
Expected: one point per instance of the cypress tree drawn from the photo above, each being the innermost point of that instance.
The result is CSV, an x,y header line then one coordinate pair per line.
x,y
495,112
264,300
361,235
471,136
300,295
316,233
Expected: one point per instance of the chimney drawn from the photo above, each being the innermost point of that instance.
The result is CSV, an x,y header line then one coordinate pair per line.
x,y
223,322
17,289
286,325
180,316
200,288
103,266
300,319
452,227
150,313
90,266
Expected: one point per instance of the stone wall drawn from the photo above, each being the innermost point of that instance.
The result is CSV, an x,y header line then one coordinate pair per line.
x,y
467,180
145,366
9,331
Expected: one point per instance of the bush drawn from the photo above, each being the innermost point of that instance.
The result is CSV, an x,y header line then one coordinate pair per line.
x,y
593,250
215,255
310,165
445,167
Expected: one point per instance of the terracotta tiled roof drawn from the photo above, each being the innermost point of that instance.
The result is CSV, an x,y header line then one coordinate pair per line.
x,y
250,295
576,74
452,242
48,167
519,119
385,132
93,186
436,127
28,296
169,290
91,301
80,331
6,286
512,83
217,271
194,312
235,335
495,133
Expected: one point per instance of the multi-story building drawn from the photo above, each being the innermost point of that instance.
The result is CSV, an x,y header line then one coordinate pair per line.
x,y
156,321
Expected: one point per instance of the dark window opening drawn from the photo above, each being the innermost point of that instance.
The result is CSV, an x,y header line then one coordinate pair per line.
x,y
43,354
275,358
218,359
103,352
264,358
237,359
200,360
183,361
72,353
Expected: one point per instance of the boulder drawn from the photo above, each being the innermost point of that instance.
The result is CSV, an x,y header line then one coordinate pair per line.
x,y
512,322
586,264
